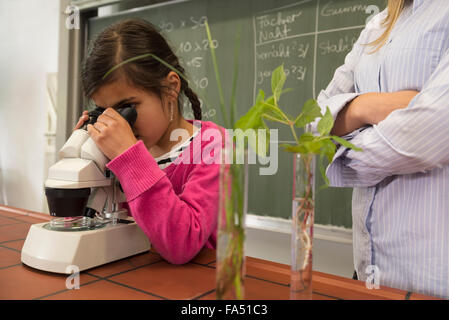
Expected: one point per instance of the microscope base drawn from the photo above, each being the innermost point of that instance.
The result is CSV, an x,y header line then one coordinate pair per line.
x,y
63,251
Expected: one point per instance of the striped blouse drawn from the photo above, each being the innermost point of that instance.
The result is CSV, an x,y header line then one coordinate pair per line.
x,y
400,202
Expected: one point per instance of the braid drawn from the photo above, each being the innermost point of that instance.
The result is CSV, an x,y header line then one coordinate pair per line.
x,y
194,101
193,98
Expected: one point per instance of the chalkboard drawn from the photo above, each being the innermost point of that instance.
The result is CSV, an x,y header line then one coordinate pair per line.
x,y
311,38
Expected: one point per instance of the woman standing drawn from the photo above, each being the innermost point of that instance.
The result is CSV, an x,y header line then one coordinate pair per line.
x,y
391,98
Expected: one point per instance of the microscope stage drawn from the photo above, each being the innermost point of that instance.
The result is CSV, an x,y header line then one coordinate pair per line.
x,y
63,251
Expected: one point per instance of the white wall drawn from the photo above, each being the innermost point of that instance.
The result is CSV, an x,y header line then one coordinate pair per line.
x,y
28,51
270,238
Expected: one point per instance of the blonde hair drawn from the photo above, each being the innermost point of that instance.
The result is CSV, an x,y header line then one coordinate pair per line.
x,y
395,8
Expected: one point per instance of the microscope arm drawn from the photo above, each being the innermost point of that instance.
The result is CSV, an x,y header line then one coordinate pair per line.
x,y
97,199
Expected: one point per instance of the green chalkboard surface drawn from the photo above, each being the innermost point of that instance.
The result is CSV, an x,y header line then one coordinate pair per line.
x,y
311,38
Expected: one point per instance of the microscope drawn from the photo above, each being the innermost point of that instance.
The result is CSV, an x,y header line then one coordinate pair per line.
x,y
89,227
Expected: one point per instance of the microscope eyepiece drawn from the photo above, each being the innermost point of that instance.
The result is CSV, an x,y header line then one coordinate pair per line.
x,y
129,113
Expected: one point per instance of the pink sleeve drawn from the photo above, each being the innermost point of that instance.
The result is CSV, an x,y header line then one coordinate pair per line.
x,y
178,226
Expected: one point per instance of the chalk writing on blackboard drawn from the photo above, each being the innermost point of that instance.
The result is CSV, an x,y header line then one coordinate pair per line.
x,y
275,26
340,45
279,39
332,8
289,36
190,23
193,52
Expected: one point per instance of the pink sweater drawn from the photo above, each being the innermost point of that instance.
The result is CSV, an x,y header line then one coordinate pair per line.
x,y
176,207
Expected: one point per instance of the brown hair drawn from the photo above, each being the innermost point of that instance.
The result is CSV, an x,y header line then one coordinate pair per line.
x,y
395,8
125,40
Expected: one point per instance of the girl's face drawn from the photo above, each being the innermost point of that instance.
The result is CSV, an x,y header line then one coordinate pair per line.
x,y
153,117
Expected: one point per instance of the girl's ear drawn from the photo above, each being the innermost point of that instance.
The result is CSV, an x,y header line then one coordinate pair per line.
x,y
174,83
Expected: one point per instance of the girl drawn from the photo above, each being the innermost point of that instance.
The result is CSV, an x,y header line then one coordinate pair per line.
x,y
175,204
391,98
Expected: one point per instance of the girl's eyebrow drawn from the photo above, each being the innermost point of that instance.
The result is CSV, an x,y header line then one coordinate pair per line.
x,y
119,103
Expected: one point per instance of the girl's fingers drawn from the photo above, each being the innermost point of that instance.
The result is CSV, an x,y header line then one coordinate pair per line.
x,y
78,125
81,120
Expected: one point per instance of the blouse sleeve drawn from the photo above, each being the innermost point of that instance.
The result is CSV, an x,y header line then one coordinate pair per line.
x,y
409,140
341,89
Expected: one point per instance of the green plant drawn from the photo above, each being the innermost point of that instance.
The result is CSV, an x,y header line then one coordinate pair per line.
x,y
229,262
306,145
231,230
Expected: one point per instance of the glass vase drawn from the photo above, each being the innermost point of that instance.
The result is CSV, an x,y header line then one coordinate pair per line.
x,y
302,226
231,263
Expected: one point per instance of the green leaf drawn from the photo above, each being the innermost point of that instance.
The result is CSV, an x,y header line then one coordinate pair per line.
x,y
274,112
263,109
260,97
346,144
310,111
306,137
328,149
235,76
270,99
307,144
278,78
301,121
217,76
323,171
314,146
253,118
294,148
326,123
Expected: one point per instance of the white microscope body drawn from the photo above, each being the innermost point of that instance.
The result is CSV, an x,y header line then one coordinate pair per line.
x,y
109,234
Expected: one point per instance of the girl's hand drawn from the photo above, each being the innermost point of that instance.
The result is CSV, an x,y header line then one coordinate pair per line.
x,y
82,119
112,133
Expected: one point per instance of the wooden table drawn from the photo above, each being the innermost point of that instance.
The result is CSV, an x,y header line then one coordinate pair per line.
x,y
148,276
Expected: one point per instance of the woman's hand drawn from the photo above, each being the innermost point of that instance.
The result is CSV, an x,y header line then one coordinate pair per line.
x,y
112,133
375,107
369,109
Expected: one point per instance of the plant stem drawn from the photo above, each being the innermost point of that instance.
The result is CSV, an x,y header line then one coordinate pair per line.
x,y
278,110
273,118
294,133
217,76
230,262
306,206
298,117
236,71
